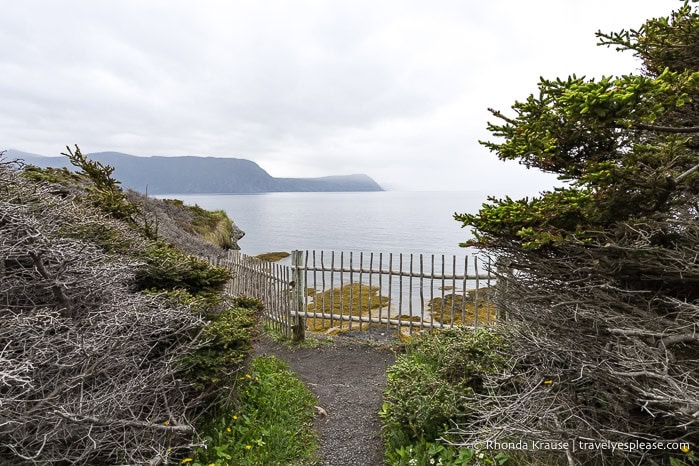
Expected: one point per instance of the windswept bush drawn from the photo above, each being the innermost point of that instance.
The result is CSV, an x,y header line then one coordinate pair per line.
x,y
429,388
191,229
91,370
166,267
600,278
104,192
228,345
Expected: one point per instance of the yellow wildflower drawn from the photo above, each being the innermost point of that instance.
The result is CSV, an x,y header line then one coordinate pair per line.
x,y
684,448
235,418
186,460
166,423
228,429
248,376
248,447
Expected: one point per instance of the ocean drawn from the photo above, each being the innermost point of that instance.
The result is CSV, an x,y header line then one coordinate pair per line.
x,y
380,222
397,227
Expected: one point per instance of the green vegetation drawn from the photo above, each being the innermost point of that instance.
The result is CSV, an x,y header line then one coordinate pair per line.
x,y
213,225
435,453
159,344
272,425
600,278
314,341
167,268
61,176
93,183
623,143
272,256
268,430
228,340
429,387
104,192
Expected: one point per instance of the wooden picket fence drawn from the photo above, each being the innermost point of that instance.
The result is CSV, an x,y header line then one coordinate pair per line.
x,y
335,292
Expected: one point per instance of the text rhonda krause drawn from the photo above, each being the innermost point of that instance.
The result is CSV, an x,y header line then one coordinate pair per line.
x,y
581,445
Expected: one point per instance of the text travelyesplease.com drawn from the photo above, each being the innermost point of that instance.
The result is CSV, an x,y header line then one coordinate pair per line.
x,y
580,445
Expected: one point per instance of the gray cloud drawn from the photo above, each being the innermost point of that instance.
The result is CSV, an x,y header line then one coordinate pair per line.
x,y
395,89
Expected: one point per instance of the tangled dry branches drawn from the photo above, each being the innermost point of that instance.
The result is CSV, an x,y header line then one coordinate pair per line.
x,y
89,370
607,343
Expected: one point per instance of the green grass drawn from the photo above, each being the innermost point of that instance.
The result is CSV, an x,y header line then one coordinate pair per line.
x,y
213,225
314,341
273,425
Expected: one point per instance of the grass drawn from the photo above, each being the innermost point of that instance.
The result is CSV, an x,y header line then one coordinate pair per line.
x,y
222,233
213,225
356,299
308,342
273,425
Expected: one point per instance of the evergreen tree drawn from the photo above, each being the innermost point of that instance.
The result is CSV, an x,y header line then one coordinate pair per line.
x,y
600,278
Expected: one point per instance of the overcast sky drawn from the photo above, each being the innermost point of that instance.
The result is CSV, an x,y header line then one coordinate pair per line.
x,y
396,89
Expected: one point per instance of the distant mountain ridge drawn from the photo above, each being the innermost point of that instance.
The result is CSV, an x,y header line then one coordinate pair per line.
x,y
192,174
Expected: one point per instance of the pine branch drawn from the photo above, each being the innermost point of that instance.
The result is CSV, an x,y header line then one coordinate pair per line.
x,y
668,129
687,173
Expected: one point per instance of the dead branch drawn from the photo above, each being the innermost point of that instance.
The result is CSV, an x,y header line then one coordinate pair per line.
x,y
617,337
89,370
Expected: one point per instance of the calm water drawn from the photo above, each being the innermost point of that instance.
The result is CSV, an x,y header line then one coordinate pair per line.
x,y
388,222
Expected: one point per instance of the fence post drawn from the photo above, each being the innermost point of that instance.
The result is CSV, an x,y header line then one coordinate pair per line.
x,y
502,269
298,290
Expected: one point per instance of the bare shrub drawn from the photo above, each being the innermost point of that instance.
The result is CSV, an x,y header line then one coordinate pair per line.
x,y
89,370
605,344
171,222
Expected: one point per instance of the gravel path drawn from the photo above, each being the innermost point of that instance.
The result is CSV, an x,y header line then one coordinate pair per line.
x,y
348,376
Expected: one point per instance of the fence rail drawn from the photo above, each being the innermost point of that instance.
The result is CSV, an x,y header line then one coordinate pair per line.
x,y
336,292
267,281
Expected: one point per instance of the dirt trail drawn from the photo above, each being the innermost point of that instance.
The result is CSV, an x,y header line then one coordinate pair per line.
x,y
348,376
